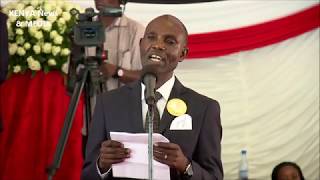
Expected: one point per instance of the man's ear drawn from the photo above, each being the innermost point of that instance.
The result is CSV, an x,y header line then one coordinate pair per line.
x,y
184,54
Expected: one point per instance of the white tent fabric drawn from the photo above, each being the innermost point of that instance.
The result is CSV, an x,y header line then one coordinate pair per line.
x,y
213,16
269,100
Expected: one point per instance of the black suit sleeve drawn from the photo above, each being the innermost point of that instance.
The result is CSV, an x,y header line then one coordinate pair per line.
x,y
97,135
207,163
4,55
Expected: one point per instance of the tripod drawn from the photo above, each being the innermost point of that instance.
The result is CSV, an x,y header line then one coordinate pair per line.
x,y
90,79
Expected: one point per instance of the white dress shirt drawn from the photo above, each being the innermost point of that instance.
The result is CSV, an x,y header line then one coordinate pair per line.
x,y
165,91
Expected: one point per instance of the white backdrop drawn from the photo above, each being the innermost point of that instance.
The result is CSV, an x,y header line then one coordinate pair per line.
x,y
269,101
269,96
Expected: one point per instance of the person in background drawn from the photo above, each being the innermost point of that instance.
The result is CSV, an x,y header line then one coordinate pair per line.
x,y
4,54
122,64
194,152
287,171
122,35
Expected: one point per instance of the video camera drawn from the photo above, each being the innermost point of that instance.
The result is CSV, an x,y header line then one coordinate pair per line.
x,y
88,32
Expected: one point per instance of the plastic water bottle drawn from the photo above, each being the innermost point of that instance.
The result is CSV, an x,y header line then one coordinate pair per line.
x,y
243,168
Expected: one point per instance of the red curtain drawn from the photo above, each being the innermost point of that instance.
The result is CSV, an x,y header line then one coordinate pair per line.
x,y
33,111
231,41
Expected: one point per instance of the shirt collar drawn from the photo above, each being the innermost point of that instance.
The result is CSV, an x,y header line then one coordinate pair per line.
x,y
118,22
164,90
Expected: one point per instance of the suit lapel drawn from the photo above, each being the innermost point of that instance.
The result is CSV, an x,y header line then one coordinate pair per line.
x,y
135,111
177,92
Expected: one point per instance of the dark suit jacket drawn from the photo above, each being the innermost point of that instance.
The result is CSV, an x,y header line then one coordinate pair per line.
x,y
4,55
121,110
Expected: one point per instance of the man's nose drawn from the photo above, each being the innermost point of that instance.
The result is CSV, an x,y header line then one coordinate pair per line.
x,y
159,45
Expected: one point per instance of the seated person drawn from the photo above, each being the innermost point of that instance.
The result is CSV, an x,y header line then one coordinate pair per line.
x,y
287,171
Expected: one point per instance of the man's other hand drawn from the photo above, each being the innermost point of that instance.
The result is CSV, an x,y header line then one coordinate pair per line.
x,y
111,152
171,155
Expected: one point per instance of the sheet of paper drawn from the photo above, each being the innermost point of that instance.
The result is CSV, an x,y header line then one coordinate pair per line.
x,y
137,165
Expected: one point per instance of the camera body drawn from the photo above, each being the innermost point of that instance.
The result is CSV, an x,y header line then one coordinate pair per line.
x,y
88,32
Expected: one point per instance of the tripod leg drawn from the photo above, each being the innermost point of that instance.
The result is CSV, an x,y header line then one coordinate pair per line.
x,y
88,117
51,170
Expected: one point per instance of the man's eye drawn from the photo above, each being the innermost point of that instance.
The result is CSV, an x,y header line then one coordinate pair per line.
x,y
171,41
151,37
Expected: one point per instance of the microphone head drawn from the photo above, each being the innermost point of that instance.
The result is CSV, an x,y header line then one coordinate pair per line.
x,y
149,80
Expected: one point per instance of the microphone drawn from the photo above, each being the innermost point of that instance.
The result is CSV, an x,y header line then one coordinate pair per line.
x,y
111,11
149,80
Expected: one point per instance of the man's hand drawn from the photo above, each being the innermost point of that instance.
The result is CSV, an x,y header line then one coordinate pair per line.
x,y
108,70
111,152
171,155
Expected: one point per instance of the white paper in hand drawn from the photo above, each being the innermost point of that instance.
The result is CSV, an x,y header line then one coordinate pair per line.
x,y
137,165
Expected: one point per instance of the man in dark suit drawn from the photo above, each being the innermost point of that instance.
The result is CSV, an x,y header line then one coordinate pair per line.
x,y
193,154
3,47
3,51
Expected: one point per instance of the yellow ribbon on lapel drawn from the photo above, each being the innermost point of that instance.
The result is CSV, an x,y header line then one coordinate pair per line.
x,y
176,107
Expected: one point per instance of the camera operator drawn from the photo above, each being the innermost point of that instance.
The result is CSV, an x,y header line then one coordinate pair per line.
x,y
122,64
122,36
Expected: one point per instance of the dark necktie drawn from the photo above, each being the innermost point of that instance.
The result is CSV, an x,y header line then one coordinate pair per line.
x,y
156,117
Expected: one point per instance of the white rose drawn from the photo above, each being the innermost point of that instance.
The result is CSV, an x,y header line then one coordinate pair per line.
x,y
21,51
47,7
5,10
12,19
16,69
67,7
19,31
20,40
53,34
58,40
19,6
34,65
13,48
62,28
34,3
58,10
52,18
65,67
29,10
32,30
59,3
52,62
9,26
65,52
55,50
10,35
66,16
30,58
46,48
27,45
36,49
47,26
61,21
38,35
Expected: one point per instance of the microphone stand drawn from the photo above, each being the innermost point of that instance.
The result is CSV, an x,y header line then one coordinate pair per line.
x,y
149,80
150,138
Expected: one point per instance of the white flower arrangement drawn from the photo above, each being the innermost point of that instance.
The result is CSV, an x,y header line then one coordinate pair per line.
x,y
38,32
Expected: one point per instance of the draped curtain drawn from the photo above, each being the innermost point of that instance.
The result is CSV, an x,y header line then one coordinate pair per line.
x,y
260,60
